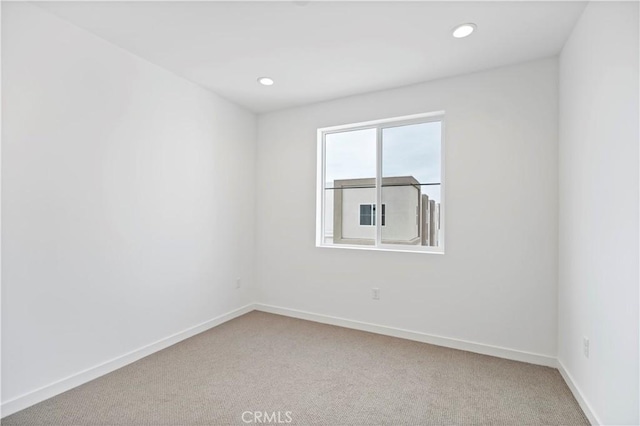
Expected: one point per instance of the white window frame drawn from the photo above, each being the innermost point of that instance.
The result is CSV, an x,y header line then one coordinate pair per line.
x,y
379,125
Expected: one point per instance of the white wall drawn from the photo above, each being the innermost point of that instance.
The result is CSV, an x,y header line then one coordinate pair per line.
x,y
497,282
127,201
598,279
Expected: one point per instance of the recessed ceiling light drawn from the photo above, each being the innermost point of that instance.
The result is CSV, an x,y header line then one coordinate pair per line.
x,y
265,81
463,30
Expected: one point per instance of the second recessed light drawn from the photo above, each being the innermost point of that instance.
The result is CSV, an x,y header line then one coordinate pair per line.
x,y
265,81
463,30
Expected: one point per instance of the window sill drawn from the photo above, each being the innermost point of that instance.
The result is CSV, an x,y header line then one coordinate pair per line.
x,y
408,249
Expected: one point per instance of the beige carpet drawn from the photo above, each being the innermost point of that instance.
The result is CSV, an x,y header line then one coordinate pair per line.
x,y
318,373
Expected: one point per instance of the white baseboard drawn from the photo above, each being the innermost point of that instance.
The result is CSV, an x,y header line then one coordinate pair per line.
x,y
481,348
23,401
575,390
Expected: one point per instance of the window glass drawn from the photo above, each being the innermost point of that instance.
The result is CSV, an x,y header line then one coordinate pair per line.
x,y
366,211
411,184
350,181
406,180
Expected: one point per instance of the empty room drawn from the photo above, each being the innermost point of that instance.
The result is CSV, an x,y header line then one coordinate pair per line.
x,y
320,213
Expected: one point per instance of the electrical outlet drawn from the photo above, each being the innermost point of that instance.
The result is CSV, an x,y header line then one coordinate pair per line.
x,y
375,293
238,283
585,346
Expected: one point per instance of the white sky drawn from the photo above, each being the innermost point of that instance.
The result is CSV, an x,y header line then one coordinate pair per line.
x,y
412,150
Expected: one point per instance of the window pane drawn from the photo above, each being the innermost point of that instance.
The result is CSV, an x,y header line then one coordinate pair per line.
x,y
365,214
350,171
411,184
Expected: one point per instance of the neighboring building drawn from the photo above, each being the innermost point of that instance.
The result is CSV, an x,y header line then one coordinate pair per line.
x,y
430,222
407,216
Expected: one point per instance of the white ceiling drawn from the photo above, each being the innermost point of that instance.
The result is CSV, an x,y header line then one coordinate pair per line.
x,y
318,50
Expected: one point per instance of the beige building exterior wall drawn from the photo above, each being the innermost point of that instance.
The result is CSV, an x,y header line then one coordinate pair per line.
x,y
401,197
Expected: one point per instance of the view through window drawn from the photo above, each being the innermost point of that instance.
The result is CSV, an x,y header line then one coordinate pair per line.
x,y
393,163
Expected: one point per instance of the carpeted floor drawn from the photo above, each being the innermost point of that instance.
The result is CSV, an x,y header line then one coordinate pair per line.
x,y
311,373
